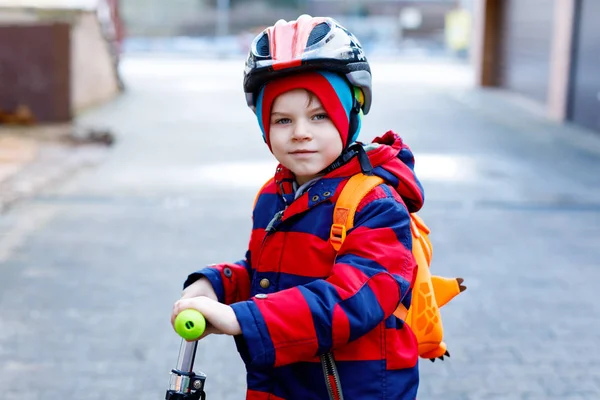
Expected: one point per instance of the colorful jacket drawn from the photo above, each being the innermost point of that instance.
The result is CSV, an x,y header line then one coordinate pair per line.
x,y
309,316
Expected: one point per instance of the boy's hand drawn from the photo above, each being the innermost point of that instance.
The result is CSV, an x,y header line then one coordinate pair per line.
x,y
220,318
202,287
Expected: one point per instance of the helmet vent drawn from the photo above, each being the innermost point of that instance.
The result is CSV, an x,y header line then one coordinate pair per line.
x,y
262,46
318,33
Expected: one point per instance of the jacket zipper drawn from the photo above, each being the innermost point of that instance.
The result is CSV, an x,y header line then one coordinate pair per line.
x,y
332,379
272,226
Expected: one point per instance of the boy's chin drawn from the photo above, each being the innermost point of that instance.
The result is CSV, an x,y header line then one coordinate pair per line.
x,y
304,170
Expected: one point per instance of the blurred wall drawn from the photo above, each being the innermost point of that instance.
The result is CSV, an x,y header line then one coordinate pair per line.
x,y
34,70
93,70
57,62
584,100
545,51
199,17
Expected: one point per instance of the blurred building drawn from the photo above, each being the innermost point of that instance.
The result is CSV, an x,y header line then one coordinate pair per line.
x,y
546,51
383,23
390,25
57,57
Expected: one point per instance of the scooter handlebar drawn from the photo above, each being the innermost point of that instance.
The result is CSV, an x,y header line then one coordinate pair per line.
x,y
190,324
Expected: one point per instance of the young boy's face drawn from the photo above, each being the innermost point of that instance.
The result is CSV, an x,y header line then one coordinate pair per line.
x,y
302,137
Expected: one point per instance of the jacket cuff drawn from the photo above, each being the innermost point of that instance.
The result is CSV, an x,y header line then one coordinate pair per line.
x,y
254,344
214,276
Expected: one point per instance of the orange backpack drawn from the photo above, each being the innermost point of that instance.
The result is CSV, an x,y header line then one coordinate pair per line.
x,y
429,292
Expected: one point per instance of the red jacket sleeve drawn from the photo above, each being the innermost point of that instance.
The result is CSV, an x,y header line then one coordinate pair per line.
x,y
231,282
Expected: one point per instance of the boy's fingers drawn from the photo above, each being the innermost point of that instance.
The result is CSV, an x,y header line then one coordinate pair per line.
x,y
177,308
209,308
182,304
199,303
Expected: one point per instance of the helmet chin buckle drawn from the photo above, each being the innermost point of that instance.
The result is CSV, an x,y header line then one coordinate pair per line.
x,y
354,150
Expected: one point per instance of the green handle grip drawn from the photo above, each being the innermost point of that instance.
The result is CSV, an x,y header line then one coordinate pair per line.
x,y
190,324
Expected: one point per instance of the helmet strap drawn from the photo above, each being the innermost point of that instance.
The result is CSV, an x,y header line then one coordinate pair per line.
x,y
355,150
354,119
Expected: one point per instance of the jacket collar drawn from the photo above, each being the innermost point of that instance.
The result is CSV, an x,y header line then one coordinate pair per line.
x,y
328,187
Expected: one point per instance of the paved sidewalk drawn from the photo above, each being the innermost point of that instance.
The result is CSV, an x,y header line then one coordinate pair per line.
x,y
33,158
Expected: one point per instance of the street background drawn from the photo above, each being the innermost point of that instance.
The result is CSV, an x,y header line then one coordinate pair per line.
x,y
92,261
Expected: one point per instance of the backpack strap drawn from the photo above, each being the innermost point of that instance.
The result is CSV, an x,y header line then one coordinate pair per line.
x,y
343,215
260,191
352,194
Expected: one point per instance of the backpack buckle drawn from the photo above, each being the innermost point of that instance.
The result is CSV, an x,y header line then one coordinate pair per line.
x,y
337,235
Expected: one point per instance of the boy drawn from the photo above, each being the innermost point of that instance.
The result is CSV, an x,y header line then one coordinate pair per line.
x,y
311,322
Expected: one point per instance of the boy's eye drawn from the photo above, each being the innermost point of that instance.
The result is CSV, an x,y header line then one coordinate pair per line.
x,y
283,121
321,116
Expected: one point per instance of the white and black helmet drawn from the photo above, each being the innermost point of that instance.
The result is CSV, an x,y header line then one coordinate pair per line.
x,y
307,43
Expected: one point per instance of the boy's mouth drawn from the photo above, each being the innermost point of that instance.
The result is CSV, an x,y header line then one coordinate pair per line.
x,y
302,151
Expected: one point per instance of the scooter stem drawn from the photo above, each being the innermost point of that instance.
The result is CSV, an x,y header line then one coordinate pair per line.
x,y
184,383
187,354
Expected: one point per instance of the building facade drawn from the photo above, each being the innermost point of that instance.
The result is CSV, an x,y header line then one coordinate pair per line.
x,y
57,57
547,51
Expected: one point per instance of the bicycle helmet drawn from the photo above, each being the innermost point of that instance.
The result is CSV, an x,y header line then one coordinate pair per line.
x,y
308,43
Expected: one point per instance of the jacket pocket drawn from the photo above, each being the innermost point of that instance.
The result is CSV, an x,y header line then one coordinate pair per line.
x,y
401,347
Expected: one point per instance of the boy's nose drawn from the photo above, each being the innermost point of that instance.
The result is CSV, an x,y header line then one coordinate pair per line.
x,y
301,132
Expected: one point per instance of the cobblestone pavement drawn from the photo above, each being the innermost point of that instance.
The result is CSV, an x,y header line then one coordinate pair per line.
x,y
89,270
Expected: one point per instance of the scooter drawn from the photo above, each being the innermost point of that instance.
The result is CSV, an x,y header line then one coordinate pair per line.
x,y
184,383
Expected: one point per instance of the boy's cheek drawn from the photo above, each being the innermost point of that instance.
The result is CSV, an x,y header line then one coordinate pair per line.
x,y
277,144
278,153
